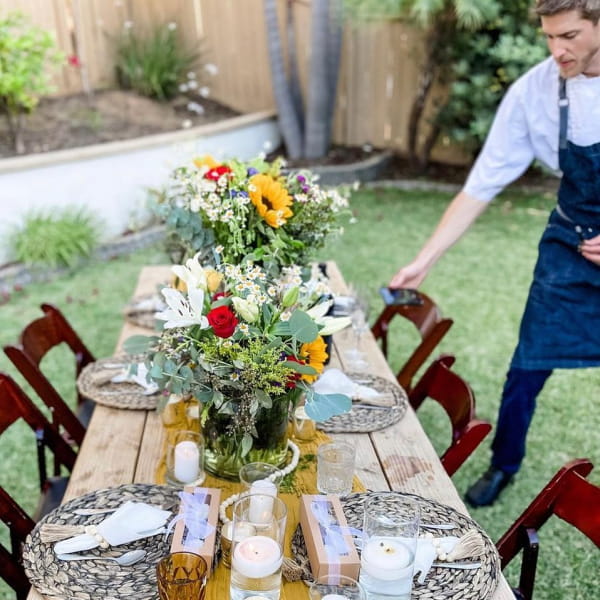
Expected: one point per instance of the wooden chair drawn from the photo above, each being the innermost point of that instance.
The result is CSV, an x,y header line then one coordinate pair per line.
x,y
570,496
456,397
35,341
432,327
14,406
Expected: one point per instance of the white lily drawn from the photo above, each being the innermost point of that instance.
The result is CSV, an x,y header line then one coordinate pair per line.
x,y
182,311
318,311
192,274
247,310
332,325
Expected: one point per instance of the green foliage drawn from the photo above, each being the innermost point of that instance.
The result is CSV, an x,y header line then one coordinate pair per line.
x,y
484,66
56,239
153,66
26,52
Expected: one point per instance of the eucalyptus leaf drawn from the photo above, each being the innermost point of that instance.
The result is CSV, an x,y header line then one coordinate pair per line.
x,y
321,407
302,327
139,344
246,444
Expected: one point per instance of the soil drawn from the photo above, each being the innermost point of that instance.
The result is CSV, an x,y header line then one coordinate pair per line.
x,y
107,116
111,115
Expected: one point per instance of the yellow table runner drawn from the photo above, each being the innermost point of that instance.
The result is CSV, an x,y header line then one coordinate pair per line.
x,y
303,480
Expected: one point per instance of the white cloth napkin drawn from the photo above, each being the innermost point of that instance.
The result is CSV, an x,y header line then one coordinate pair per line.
x,y
334,381
138,378
131,521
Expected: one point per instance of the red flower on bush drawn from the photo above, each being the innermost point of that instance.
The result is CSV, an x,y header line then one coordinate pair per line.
x,y
223,321
216,172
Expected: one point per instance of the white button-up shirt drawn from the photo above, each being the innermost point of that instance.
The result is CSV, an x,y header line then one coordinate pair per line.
x,y
526,128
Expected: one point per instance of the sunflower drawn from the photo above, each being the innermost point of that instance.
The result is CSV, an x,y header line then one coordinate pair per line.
x,y
271,200
315,355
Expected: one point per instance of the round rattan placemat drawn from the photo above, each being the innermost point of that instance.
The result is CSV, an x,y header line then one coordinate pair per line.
x,y
363,419
141,310
90,579
474,584
116,395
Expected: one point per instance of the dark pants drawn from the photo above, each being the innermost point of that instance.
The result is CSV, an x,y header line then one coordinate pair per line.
x,y
516,411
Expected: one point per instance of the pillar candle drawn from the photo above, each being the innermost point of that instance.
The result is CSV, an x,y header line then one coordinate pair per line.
x,y
187,459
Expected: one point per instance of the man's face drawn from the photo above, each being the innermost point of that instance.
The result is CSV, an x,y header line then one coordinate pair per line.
x,y
574,43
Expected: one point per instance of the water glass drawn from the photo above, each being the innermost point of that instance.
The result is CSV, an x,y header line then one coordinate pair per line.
x,y
181,576
336,587
254,472
257,547
335,467
390,533
185,459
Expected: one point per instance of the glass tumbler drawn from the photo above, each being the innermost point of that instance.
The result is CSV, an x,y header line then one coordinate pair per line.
x,y
257,547
390,533
181,576
335,467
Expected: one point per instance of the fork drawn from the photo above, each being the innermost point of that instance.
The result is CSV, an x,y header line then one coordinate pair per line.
x,y
88,512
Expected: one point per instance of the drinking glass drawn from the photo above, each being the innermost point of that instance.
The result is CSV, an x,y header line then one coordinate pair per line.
x,y
254,472
257,547
359,315
390,533
334,587
305,428
335,467
185,459
181,576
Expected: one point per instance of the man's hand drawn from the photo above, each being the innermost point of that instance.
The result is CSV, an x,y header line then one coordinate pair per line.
x,y
590,249
410,276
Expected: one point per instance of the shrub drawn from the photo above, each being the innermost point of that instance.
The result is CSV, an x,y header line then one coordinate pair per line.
x,y
25,54
56,238
153,66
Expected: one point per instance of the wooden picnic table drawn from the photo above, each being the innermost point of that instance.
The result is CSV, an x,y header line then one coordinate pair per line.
x,y
124,446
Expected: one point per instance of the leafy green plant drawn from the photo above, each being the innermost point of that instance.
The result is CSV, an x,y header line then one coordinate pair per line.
x,y
153,66
484,66
56,239
26,52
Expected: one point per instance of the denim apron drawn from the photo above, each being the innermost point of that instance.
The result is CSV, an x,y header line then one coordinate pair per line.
x,y
561,323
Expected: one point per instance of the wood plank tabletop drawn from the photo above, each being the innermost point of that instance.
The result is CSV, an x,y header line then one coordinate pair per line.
x,y
123,446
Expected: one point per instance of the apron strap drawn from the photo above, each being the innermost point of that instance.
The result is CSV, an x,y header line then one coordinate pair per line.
x,y
563,108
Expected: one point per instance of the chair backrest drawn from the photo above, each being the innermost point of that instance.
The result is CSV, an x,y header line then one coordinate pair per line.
x,y
15,405
20,525
36,339
570,496
430,324
455,395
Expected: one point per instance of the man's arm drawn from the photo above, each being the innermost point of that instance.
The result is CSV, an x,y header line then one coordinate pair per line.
x,y
457,218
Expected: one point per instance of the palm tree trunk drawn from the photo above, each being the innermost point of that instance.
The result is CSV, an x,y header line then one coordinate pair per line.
x,y
316,139
288,118
334,52
294,77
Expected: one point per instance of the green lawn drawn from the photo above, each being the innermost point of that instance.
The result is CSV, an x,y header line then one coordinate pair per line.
x,y
482,284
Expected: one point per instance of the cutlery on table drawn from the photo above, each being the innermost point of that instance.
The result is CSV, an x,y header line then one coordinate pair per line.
x,y
457,565
125,560
88,512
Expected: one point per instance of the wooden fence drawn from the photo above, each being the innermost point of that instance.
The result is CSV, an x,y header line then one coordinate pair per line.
x,y
379,71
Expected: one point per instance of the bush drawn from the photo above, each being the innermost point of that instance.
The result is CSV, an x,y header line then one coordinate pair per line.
x,y
25,54
153,66
56,239
483,67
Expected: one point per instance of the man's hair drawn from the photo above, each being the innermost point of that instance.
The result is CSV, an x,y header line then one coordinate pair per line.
x,y
588,9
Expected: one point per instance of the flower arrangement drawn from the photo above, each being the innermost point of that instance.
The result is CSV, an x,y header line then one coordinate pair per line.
x,y
250,211
247,348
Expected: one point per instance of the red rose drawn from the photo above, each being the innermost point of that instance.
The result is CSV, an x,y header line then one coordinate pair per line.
x,y
223,321
219,295
216,172
292,378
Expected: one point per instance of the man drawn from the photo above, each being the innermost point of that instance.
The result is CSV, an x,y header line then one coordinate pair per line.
x,y
551,113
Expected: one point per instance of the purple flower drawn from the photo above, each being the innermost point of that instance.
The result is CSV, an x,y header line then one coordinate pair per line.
x,y
305,188
252,171
300,178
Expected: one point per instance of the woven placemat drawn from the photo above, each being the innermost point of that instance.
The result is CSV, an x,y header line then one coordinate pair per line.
x,y
474,584
363,419
90,579
141,310
116,395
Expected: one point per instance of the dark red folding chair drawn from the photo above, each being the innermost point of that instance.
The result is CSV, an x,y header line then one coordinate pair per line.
x,y
570,496
455,395
35,341
16,406
431,325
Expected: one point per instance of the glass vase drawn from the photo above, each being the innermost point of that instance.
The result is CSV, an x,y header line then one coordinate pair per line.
x,y
223,450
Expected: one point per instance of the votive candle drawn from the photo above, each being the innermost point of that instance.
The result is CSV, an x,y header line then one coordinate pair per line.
x,y
187,461
261,504
257,556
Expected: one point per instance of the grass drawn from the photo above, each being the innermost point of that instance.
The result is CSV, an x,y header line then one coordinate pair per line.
x,y
481,283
